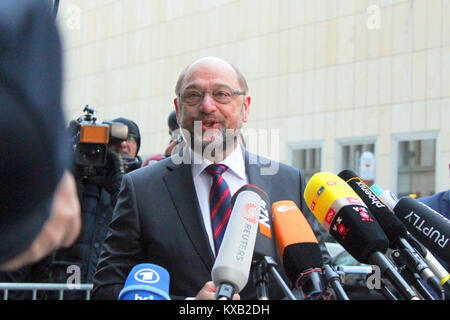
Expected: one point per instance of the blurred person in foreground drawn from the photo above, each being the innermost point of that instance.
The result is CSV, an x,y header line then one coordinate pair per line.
x,y
39,208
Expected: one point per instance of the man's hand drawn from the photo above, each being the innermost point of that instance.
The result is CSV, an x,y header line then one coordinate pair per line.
x,y
208,292
60,230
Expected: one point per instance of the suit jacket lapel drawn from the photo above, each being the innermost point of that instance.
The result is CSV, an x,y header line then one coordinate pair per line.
x,y
181,187
253,171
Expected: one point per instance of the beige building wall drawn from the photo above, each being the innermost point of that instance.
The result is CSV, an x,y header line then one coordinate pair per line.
x,y
318,70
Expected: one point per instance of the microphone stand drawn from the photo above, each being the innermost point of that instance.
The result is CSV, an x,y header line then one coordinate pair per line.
x,y
388,270
386,291
269,264
334,282
261,280
411,277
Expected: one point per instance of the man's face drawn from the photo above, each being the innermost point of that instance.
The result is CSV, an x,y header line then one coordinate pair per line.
x,y
212,117
128,146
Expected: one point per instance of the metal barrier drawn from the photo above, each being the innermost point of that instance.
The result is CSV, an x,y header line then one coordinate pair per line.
x,y
35,287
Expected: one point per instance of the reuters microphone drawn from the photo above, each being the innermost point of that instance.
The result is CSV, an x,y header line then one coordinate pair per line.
x,y
146,281
299,251
394,229
232,266
346,217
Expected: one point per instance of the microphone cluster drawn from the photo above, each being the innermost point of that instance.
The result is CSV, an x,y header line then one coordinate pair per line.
x,y
369,223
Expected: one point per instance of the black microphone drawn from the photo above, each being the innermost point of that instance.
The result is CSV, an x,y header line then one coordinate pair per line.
x,y
264,246
394,229
350,222
391,200
428,226
299,250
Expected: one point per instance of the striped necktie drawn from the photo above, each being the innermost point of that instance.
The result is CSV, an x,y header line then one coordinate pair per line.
x,y
219,202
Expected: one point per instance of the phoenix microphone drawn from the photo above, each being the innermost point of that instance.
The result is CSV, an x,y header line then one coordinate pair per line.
x,y
391,200
393,228
146,281
299,250
232,266
425,224
350,222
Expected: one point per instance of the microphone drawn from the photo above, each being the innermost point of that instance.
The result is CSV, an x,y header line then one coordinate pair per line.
x,y
350,222
232,266
390,199
264,247
428,226
394,229
299,250
146,281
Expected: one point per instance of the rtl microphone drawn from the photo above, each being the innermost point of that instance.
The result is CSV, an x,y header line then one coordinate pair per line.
x,y
146,281
428,226
299,250
391,200
393,228
232,266
265,241
350,222
264,247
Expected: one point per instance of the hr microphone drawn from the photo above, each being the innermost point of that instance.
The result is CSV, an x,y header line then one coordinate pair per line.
x,y
350,222
391,200
425,224
146,281
299,250
232,266
394,229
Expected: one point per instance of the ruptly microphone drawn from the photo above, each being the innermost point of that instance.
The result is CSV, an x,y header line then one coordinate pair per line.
x,y
146,281
299,250
394,229
391,200
428,226
232,266
350,222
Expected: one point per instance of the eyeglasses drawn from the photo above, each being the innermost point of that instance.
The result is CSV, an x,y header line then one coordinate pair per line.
x,y
132,137
223,95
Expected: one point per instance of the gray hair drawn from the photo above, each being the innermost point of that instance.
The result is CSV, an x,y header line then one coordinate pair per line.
x,y
239,75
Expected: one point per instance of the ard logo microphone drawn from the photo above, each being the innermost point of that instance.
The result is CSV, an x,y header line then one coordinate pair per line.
x,y
146,282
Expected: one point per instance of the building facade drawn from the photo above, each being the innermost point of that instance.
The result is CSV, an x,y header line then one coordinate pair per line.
x,y
335,84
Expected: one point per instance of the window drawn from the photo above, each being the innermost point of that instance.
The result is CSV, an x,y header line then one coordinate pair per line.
x,y
414,163
416,167
307,158
358,155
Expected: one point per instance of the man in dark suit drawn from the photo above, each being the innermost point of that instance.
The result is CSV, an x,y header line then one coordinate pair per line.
x,y
162,214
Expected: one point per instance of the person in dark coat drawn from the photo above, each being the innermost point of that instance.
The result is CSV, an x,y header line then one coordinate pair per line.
x,y
39,207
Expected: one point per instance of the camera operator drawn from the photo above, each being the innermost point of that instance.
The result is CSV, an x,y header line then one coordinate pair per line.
x,y
98,194
128,149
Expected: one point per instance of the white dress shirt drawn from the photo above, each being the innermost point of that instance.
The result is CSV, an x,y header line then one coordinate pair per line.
x,y
235,177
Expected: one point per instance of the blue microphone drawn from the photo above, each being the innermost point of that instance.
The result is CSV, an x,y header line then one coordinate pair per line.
x,y
146,281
